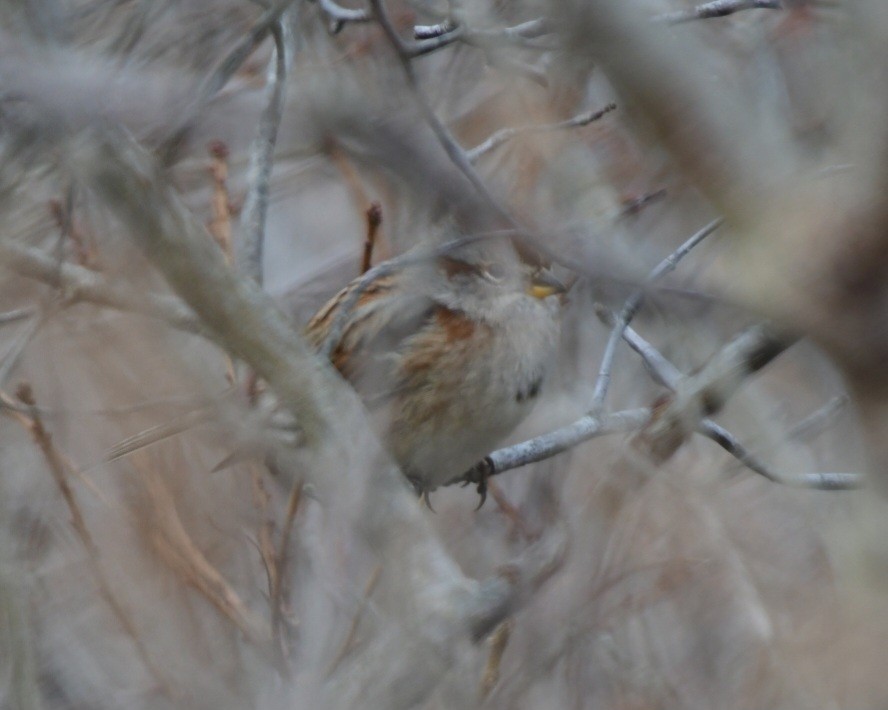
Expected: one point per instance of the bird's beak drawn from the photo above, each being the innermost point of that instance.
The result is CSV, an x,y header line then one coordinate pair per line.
x,y
544,284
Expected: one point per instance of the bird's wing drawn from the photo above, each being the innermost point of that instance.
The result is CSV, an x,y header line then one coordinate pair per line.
x,y
367,353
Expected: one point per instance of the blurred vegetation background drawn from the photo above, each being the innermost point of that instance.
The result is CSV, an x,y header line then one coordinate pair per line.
x,y
160,547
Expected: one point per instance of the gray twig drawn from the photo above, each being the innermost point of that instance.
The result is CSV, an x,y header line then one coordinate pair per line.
x,y
505,134
631,306
341,16
81,284
454,151
243,49
553,443
430,38
716,8
817,421
17,315
666,374
251,245
814,481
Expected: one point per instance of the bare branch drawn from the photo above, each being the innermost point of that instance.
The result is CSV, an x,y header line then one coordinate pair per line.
x,y
553,443
454,151
503,135
716,8
631,306
734,161
817,421
814,481
251,244
17,314
706,392
243,49
525,30
666,374
81,284
374,220
340,16
219,225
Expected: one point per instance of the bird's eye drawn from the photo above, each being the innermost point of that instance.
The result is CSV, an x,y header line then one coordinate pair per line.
x,y
495,272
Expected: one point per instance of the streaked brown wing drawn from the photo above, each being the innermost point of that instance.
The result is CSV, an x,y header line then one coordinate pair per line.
x,y
376,328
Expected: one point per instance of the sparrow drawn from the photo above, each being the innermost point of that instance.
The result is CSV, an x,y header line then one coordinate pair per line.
x,y
448,354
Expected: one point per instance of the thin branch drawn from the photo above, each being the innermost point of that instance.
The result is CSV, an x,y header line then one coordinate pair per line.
x,y
505,134
80,284
17,314
341,16
553,443
430,38
19,343
159,432
817,421
813,481
666,374
243,49
525,30
374,220
706,392
431,31
454,151
220,204
280,564
632,207
716,8
631,306
433,44
255,209
735,163
512,513
498,641
226,69
176,546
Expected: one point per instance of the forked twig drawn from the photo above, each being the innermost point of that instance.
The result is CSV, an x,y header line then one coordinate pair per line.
x,y
631,306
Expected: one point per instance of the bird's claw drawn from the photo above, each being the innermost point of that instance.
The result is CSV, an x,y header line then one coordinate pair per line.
x,y
482,492
483,474
421,492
